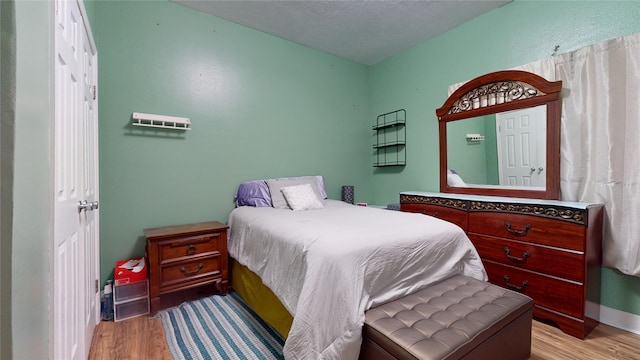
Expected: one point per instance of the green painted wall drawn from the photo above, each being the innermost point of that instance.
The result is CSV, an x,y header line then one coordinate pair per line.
x,y
515,34
470,162
90,8
491,149
260,107
475,162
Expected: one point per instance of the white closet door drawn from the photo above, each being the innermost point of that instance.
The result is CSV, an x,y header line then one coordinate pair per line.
x,y
90,220
75,171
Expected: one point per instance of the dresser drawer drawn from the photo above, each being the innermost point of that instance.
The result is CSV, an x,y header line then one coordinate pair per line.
x,y
188,246
458,217
196,270
550,292
567,264
529,228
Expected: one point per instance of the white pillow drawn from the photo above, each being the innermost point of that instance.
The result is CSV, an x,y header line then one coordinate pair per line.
x,y
301,197
315,181
276,185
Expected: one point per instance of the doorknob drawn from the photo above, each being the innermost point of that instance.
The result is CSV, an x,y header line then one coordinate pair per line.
x,y
83,205
87,206
540,169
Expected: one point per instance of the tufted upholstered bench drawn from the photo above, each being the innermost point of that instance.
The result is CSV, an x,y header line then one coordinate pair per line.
x,y
457,318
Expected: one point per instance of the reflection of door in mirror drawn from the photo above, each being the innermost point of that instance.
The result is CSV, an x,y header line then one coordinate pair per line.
x,y
522,147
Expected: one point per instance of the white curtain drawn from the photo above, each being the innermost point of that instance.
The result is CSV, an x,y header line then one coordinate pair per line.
x,y
600,140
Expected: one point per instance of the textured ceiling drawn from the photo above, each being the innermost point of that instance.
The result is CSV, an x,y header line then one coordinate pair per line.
x,y
365,31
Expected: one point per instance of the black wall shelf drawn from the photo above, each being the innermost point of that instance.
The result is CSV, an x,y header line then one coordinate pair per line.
x,y
391,136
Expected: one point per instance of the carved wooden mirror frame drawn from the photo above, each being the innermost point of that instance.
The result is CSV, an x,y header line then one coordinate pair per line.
x,y
498,92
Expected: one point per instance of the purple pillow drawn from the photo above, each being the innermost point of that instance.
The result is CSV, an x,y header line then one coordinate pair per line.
x,y
253,193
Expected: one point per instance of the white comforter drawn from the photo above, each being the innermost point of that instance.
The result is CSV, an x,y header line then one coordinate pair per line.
x,y
328,266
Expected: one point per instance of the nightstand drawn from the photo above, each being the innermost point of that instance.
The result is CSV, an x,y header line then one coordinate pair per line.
x,y
184,257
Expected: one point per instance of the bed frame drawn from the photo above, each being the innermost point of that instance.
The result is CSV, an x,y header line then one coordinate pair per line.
x,y
260,298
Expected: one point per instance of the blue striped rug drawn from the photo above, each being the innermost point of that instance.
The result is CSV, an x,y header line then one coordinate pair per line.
x,y
219,327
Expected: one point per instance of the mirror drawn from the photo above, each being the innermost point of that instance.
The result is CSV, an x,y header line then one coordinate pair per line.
x,y
500,135
505,149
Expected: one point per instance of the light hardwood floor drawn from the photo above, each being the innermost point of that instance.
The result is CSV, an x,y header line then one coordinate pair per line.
x,y
144,338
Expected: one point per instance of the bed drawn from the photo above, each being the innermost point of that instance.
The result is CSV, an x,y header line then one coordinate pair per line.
x,y
328,264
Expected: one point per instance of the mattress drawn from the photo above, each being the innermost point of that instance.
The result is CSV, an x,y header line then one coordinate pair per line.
x,y
328,266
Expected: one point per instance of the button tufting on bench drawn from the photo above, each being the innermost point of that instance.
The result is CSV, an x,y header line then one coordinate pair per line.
x,y
449,319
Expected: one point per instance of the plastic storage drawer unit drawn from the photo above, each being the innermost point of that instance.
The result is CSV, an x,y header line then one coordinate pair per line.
x,y
131,309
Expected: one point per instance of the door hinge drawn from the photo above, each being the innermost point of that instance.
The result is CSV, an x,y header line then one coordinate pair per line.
x,y
97,286
94,92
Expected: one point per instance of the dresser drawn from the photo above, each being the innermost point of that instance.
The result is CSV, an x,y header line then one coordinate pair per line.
x,y
184,257
548,250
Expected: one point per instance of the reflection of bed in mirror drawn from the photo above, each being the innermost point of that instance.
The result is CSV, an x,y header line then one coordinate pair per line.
x,y
501,134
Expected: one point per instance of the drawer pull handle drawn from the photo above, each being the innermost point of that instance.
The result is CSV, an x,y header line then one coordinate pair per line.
x,y
517,232
515,287
191,249
515,258
191,272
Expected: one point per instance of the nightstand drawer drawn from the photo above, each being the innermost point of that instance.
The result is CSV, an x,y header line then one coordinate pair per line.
x,y
528,228
189,246
188,271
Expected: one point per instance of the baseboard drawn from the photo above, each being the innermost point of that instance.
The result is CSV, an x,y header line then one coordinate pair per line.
x,y
617,318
